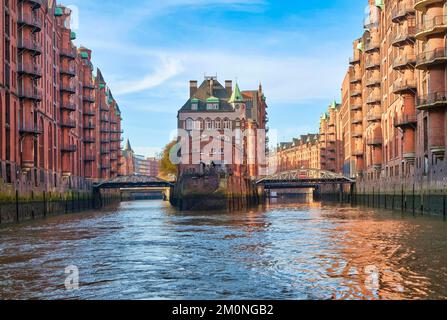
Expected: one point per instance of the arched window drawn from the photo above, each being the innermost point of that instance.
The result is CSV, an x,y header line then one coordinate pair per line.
x,y
227,124
218,124
208,124
189,124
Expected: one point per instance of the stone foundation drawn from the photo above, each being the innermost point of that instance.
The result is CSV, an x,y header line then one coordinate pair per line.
x,y
210,192
14,209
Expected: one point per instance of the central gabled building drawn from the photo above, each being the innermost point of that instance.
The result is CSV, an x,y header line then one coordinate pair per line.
x,y
221,126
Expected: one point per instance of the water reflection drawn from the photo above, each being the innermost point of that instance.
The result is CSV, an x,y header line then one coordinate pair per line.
x,y
147,250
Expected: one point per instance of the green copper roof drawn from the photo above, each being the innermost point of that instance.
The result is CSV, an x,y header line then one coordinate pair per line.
x,y
380,4
360,46
84,55
212,100
195,100
334,104
73,35
236,96
58,12
102,86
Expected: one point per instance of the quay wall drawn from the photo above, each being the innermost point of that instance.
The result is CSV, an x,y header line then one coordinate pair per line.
x,y
15,207
201,192
416,196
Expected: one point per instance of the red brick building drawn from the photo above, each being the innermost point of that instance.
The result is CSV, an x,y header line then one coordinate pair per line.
x,y
50,119
224,127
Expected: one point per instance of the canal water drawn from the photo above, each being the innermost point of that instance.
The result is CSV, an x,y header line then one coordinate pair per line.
x,y
147,250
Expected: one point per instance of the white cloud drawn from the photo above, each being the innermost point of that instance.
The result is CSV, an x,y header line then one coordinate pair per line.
x,y
167,69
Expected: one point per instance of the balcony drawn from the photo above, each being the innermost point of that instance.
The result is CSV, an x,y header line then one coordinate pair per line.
x,y
29,45
431,26
32,94
355,93
105,166
89,112
371,46
89,158
104,130
374,142
374,99
31,21
357,152
104,108
405,121
68,70
355,79
431,58
35,3
89,126
30,69
403,37
68,88
374,116
357,134
356,106
357,120
88,98
69,106
30,129
104,119
402,10
403,86
354,60
69,53
105,150
89,140
68,148
373,81
404,61
432,101
372,63
68,123
421,5
90,86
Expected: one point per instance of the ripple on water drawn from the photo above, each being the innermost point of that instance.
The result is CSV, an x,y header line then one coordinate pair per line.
x,y
146,250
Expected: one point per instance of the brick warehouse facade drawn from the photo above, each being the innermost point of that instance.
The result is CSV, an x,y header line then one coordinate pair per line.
x,y
391,126
60,127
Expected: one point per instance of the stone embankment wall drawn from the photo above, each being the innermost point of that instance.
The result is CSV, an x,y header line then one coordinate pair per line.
x,y
15,208
419,196
403,194
213,192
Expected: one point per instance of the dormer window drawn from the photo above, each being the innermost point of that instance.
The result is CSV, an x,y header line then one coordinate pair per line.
x,y
194,104
212,103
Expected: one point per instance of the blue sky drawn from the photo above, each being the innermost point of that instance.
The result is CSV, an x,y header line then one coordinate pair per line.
x,y
148,50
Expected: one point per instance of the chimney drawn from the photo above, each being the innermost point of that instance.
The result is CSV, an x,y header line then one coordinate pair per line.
x,y
192,88
229,86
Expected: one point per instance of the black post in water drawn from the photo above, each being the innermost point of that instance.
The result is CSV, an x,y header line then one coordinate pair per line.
x,y
414,205
444,207
44,204
402,200
17,205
